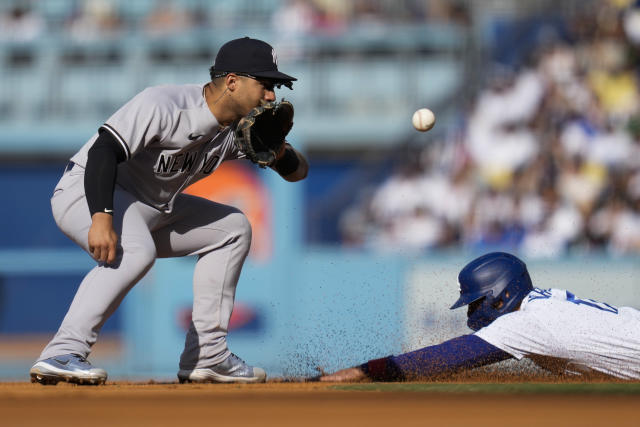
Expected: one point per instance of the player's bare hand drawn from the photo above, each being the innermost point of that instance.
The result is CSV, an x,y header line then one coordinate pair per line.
x,y
102,238
345,375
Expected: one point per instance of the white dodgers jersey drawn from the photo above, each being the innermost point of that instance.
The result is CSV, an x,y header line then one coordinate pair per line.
x,y
566,334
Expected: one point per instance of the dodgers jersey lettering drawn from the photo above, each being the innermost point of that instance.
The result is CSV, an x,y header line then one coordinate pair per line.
x,y
171,140
567,334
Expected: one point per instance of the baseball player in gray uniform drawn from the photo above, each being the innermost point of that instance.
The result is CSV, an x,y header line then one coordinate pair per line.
x,y
121,200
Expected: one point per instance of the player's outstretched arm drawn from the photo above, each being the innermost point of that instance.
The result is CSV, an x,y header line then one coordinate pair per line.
x,y
454,355
291,164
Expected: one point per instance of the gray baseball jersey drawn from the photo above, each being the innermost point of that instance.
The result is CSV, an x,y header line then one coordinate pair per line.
x,y
171,140
567,334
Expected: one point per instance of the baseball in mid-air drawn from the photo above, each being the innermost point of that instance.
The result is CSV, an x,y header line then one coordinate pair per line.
x,y
423,119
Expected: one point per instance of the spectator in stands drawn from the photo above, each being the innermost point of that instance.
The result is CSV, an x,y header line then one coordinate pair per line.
x,y
95,20
20,23
167,18
291,22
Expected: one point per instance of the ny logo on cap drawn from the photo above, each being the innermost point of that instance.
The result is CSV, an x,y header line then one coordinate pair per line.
x,y
275,58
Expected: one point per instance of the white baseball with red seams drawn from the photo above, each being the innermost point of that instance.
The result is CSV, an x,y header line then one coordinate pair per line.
x,y
423,119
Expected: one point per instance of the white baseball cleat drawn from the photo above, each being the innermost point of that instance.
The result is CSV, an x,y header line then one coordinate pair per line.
x,y
231,370
71,368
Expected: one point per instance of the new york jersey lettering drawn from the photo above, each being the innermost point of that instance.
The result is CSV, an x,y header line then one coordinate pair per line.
x,y
176,163
209,164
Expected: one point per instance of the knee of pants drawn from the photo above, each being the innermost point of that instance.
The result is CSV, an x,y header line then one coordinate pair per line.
x,y
243,230
137,258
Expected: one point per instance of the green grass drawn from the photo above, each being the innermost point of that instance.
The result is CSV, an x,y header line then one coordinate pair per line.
x,y
515,388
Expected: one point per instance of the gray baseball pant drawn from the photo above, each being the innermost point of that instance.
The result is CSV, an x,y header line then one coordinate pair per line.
x,y
219,235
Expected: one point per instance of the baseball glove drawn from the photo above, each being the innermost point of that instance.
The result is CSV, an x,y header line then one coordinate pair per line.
x,y
260,134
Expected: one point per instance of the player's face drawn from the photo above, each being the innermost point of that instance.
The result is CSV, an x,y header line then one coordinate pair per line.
x,y
254,91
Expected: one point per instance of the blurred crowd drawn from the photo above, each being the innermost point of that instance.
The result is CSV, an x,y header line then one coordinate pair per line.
x,y
546,160
96,19
25,20
330,17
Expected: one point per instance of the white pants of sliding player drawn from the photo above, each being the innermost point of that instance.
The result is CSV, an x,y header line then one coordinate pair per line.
x,y
219,235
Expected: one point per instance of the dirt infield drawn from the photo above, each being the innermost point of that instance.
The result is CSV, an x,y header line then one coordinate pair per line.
x,y
301,404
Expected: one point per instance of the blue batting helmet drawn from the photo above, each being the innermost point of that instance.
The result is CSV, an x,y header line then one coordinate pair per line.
x,y
498,282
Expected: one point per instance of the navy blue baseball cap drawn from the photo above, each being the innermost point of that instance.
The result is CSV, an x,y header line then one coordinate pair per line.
x,y
249,56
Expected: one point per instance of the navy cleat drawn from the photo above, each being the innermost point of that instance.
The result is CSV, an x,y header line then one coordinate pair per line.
x,y
71,368
231,370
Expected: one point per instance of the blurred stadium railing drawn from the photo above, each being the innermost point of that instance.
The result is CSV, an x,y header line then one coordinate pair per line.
x,y
58,86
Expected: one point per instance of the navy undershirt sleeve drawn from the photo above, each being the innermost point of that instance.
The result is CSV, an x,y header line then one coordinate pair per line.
x,y
100,172
457,354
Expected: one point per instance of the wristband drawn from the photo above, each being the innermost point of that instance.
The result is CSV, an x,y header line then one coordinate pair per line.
x,y
383,369
288,163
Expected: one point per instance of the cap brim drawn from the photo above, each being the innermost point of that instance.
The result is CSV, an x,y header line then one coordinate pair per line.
x,y
274,75
466,299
